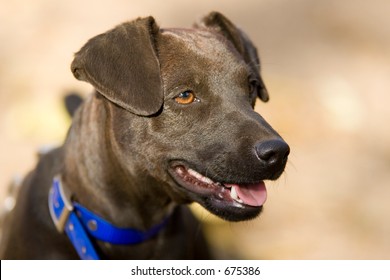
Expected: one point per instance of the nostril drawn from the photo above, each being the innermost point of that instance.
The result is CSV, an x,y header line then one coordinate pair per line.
x,y
272,151
266,154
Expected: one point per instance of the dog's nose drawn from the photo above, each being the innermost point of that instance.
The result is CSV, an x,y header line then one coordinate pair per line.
x,y
273,153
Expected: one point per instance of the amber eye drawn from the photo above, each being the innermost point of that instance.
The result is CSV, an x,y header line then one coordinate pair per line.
x,y
185,97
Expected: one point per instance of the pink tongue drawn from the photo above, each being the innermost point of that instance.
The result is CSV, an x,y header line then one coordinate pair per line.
x,y
253,194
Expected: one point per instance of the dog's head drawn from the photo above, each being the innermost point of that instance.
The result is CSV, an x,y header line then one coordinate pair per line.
x,y
184,99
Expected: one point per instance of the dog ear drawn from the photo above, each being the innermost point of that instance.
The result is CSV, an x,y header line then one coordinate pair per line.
x,y
220,24
123,66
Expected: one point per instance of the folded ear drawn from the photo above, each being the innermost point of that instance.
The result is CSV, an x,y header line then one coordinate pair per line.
x,y
220,24
123,66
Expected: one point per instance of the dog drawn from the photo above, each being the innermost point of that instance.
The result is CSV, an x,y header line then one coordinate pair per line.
x,y
171,122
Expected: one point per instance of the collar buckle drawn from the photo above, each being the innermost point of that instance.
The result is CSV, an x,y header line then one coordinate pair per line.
x,y
60,205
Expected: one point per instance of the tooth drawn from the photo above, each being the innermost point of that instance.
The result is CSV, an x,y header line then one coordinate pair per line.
x,y
195,174
207,180
234,195
200,177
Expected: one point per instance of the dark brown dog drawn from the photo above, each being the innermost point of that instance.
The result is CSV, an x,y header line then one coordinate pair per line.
x,y
171,122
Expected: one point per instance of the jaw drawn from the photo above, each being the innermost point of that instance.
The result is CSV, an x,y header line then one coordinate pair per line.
x,y
231,201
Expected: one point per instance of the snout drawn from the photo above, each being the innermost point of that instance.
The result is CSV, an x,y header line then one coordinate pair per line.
x,y
272,155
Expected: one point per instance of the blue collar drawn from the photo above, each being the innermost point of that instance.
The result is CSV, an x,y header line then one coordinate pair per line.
x,y
81,225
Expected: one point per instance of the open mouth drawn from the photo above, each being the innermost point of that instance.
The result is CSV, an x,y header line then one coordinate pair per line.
x,y
231,201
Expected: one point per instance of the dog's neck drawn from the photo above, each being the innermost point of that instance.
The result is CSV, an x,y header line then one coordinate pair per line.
x,y
98,182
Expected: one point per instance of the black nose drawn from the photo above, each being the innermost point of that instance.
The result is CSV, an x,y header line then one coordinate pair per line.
x,y
273,154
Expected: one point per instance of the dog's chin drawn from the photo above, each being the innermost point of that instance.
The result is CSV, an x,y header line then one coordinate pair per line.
x,y
228,200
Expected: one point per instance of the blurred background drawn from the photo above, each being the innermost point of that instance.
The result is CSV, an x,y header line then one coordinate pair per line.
x,y
326,65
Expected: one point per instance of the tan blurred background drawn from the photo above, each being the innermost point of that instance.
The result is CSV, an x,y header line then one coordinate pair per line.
x,y
327,67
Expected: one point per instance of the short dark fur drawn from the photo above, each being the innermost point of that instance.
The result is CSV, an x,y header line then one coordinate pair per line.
x,y
119,156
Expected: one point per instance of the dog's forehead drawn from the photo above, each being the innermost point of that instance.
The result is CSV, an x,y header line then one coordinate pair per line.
x,y
201,42
198,54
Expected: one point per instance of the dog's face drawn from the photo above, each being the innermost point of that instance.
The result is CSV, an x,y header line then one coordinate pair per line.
x,y
204,142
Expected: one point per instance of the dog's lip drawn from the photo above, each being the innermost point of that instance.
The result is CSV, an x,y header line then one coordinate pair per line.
x,y
238,195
